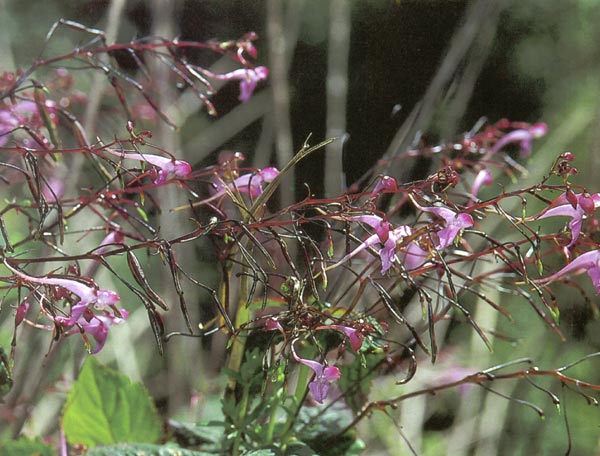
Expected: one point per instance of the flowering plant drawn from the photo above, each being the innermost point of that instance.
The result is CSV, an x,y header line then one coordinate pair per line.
x,y
315,302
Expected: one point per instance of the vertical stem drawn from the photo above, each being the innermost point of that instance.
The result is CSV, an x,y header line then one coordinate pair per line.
x,y
278,50
337,90
115,12
243,409
242,315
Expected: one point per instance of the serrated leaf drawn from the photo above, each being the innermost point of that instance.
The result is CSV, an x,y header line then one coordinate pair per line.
x,y
27,447
104,407
143,449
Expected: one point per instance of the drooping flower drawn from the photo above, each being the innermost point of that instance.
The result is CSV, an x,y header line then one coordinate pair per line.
x,y
524,137
578,208
82,315
324,376
386,183
587,262
272,324
248,77
96,325
88,295
354,335
455,222
413,256
167,166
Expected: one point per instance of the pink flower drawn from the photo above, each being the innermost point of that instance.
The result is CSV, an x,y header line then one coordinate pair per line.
x,y
82,315
114,237
524,137
21,312
580,206
167,166
88,295
484,177
383,235
455,222
248,78
588,262
354,335
53,189
413,256
272,324
386,183
24,112
250,184
96,326
324,376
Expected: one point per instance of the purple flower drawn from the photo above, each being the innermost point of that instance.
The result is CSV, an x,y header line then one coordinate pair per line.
x,y
324,376
582,205
455,222
523,137
248,78
588,262
167,166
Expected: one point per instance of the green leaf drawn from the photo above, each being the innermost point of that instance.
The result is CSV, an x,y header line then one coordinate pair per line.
x,y
320,428
27,447
143,450
208,435
105,407
357,378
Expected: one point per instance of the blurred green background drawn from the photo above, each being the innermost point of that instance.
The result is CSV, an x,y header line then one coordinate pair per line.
x,y
362,70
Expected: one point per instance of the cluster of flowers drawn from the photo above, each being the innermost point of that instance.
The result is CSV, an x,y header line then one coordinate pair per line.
x,y
93,311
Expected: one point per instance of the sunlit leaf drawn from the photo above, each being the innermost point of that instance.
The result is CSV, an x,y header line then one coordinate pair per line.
x,y
105,407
